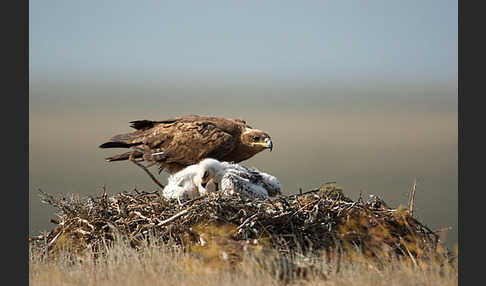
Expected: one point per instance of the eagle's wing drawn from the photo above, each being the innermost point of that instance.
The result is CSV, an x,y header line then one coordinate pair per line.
x,y
188,143
179,142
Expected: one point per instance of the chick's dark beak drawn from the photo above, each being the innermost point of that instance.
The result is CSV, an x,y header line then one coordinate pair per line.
x,y
203,184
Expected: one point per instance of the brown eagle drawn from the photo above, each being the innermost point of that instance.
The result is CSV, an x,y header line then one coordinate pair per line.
x,y
176,143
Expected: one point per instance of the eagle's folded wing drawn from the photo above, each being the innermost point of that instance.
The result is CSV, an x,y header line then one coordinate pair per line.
x,y
189,143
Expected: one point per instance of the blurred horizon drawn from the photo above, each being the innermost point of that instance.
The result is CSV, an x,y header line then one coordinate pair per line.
x,y
361,93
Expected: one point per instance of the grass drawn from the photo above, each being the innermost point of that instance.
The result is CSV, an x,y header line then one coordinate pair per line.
x,y
167,265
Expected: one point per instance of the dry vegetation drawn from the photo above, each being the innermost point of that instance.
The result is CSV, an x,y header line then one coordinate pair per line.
x,y
318,237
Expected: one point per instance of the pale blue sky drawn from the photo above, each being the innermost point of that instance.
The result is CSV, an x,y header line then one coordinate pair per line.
x,y
298,41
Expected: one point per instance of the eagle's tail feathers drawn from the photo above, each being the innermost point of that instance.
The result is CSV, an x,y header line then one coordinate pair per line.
x,y
117,144
124,156
147,124
142,124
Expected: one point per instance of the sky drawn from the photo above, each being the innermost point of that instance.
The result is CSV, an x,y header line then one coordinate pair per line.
x,y
295,42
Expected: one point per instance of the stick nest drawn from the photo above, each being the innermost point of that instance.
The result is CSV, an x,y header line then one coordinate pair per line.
x,y
322,219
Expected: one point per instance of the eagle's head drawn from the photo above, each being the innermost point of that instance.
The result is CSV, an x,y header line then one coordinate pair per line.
x,y
256,140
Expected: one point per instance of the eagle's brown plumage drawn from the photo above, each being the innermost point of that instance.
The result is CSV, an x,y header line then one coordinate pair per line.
x,y
176,143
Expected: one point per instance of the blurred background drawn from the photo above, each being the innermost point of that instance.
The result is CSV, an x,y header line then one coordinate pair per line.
x,y
363,93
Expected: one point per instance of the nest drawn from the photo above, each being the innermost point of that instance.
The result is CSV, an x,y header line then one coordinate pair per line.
x,y
322,219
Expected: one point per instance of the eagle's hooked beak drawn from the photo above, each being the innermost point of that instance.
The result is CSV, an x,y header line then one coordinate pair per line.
x,y
266,144
270,145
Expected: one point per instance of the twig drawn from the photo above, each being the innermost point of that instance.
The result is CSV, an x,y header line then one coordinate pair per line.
x,y
443,229
55,237
38,237
412,197
246,221
174,217
193,200
308,192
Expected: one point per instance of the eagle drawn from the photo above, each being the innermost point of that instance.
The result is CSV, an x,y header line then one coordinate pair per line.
x,y
224,177
176,143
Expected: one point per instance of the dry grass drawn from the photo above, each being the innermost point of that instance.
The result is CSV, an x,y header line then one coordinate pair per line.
x,y
165,265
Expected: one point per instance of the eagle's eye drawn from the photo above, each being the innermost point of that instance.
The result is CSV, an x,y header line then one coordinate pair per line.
x,y
256,138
